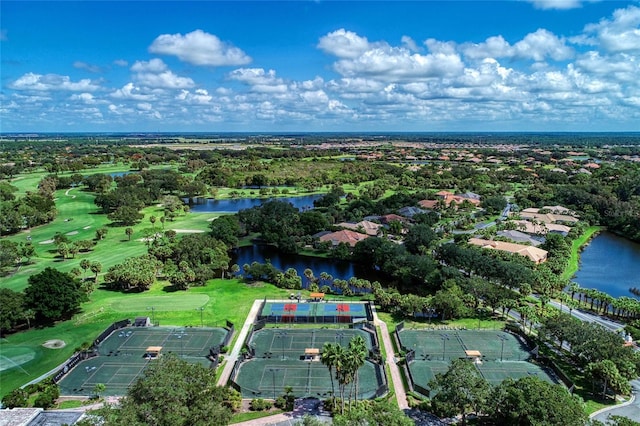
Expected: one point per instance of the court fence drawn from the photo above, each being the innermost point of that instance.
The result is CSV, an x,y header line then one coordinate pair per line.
x,y
292,312
542,359
76,358
88,353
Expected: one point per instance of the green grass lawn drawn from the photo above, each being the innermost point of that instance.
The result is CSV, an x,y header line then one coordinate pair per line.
x,y
79,218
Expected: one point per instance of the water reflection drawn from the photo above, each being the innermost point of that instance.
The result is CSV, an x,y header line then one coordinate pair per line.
x,y
233,205
610,264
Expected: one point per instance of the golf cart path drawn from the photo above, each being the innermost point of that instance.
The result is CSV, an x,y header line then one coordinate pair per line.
x,y
396,378
230,360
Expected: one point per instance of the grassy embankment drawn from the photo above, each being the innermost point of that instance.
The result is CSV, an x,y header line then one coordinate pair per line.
x,y
576,247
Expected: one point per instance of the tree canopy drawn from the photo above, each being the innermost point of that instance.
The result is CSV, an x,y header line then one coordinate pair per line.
x,y
172,392
53,295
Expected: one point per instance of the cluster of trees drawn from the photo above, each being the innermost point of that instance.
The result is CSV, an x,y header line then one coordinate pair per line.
x,y
50,296
461,390
594,350
171,392
32,209
184,262
42,394
343,364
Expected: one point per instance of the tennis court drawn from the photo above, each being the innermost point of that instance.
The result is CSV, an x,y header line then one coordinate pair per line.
x,y
267,378
451,344
122,356
290,343
314,312
496,355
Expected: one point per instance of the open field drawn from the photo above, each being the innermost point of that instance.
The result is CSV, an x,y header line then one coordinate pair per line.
x,y
78,219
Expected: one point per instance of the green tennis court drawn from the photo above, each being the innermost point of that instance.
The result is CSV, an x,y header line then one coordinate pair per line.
x,y
186,342
290,343
423,371
122,356
267,378
497,355
451,344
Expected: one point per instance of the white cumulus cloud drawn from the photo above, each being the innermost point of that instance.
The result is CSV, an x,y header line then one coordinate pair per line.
x,y
538,46
620,34
199,48
344,44
130,91
50,82
556,4
259,80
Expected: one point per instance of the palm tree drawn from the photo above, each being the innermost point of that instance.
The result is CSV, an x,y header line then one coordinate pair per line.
x,y
96,267
574,288
357,357
129,232
85,264
330,356
152,219
308,273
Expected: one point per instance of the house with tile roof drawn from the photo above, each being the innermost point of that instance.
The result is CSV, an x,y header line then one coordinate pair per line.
x,y
535,254
529,227
368,227
345,236
520,237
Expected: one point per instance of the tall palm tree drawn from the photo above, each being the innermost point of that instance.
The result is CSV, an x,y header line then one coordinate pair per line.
x,y
330,355
357,357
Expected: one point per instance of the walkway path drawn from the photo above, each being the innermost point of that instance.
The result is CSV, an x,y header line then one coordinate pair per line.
x,y
230,359
396,378
629,409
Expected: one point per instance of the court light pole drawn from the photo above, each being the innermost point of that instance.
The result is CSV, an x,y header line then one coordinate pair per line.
x,y
273,372
281,335
201,309
153,314
502,339
179,336
444,338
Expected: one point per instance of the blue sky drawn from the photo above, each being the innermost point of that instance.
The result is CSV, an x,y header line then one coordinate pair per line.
x,y
215,66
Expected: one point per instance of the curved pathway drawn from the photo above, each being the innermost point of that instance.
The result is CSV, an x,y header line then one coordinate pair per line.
x,y
629,409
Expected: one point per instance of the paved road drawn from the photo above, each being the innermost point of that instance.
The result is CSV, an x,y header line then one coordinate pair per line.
x,y
629,409
587,317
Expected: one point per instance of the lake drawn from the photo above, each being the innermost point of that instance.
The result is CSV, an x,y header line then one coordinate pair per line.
x,y
337,269
611,264
233,205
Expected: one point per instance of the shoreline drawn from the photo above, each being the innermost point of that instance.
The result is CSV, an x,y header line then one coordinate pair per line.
x,y
577,246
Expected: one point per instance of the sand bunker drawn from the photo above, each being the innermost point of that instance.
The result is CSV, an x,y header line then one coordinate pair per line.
x,y
72,233
46,242
54,344
188,231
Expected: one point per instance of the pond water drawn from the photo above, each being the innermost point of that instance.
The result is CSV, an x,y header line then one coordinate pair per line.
x,y
233,205
337,269
611,264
